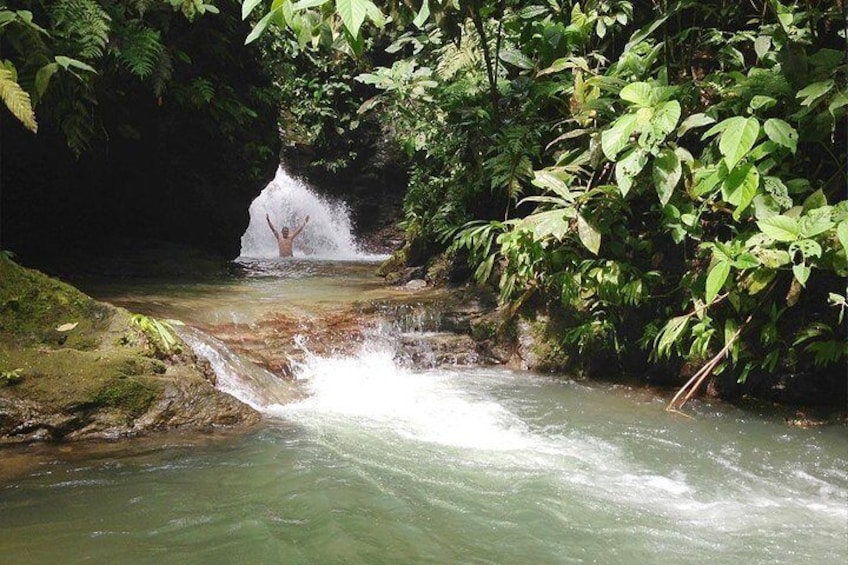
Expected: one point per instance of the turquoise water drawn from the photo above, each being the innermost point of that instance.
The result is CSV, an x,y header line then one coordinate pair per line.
x,y
384,464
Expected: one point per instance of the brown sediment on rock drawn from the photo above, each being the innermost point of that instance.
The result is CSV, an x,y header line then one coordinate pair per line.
x,y
75,368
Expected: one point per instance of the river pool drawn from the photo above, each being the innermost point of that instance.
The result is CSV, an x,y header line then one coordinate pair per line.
x,y
381,463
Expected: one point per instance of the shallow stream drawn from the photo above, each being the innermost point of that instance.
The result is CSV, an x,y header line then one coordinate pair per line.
x,y
381,463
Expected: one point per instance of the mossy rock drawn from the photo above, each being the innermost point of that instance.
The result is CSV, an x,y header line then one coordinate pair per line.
x,y
130,395
96,379
397,262
33,306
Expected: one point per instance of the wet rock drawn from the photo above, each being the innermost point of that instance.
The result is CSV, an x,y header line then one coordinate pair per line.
x,y
415,284
105,380
435,349
403,276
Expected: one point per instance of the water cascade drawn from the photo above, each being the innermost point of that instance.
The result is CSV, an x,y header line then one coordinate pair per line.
x,y
288,201
241,379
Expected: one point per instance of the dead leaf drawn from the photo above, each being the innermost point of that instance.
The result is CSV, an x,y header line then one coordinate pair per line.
x,y
67,327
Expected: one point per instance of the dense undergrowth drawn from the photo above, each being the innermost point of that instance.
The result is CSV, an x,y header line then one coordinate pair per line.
x,y
668,176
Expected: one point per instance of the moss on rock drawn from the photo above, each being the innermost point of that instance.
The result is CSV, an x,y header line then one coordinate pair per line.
x,y
33,306
96,379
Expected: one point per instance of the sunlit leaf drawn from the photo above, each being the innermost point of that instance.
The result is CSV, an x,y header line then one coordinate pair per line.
x,y
617,137
716,278
780,228
781,133
589,234
738,138
740,187
639,93
352,13
694,121
666,174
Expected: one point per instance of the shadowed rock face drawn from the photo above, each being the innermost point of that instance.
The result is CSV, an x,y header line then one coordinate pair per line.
x,y
159,168
74,368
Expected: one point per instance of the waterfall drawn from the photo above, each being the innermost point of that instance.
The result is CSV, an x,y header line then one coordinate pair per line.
x,y
241,379
288,201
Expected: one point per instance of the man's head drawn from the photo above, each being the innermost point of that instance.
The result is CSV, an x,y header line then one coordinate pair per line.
x,y
285,232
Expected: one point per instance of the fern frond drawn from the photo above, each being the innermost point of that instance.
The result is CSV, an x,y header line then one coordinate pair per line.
x,y
141,6
465,57
139,48
84,24
201,92
162,73
17,100
78,127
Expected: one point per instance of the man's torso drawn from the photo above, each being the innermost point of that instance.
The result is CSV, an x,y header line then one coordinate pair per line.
x,y
285,246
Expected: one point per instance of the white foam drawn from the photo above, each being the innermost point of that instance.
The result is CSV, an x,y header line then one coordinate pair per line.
x,y
288,201
373,390
241,379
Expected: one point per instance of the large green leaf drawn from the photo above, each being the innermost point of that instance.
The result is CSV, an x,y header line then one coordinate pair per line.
x,y
549,223
589,234
738,138
814,91
780,228
247,7
42,77
666,173
694,121
554,182
516,58
801,272
665,118
842,234
716,279
708,178
815,222
740,187
17,100
815,200
639,93
628,167
352,13
617,137
260,26
68,63
781,133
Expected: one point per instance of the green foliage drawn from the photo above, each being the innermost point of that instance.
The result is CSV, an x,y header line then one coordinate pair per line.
x,y
160,334
139,48
65,58
9,378
17,100
670,177
81,27
314,21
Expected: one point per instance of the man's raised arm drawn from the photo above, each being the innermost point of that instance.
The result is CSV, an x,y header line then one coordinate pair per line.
x,y
300,229
270,225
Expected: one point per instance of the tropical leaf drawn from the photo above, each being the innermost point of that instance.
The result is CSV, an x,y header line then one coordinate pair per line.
x,y
589,234
781,133
617,137
740,187
17,100
715,279
352,13
737,139
666,174
780,228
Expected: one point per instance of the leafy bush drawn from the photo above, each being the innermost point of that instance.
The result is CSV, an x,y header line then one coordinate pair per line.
x,y
671,173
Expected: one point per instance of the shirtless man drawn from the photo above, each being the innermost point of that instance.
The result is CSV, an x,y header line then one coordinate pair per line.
x,y
284,239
